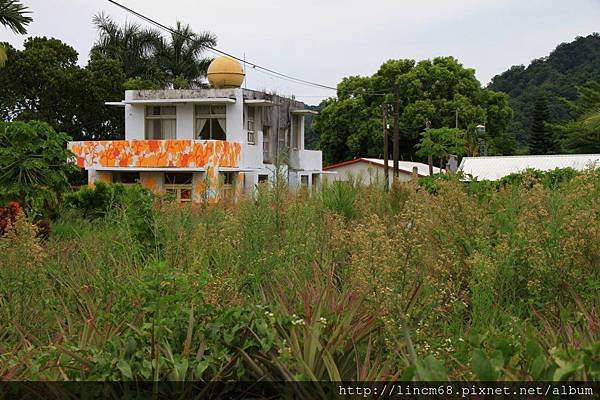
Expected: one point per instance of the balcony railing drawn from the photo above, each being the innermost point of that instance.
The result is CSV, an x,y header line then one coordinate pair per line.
x,y
306,159
180,153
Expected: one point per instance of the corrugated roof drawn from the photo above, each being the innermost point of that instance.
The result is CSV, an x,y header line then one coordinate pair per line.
x,y
494,168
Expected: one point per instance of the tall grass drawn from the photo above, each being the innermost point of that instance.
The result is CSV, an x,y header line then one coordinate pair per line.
x,y
480,281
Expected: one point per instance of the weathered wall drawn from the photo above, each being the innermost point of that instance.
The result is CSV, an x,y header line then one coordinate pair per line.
x,y
156,153
366,173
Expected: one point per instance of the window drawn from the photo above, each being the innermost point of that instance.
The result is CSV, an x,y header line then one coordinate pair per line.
x,y
179,185
263,178
161,122
266,145
126,177
304,180
228,179
250,125
283,140
296,121
211,122
315,181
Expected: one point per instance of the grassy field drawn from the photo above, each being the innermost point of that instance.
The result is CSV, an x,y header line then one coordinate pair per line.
x,y
431,282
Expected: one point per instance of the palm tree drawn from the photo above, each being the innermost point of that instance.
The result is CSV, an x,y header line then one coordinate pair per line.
x,y
181,56
132,45
13,15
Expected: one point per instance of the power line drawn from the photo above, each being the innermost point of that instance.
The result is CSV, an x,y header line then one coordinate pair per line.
x,y
214,49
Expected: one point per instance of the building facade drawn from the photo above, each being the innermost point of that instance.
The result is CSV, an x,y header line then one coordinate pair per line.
x,y
204,145
371,171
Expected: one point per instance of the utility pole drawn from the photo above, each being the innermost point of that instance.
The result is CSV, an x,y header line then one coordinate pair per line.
x,y
456,115
396,149
386,150
429,156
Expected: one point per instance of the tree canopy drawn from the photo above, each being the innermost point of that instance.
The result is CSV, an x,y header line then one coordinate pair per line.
x,y
541,140
437,93
558,75
582,134
43,82
149,59
14,16
33,163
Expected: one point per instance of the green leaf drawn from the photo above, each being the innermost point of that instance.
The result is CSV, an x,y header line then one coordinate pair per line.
x,y
430,369
537,367
125,369
482,366
566,370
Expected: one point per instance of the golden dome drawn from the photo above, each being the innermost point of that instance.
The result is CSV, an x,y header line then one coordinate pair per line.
x,y
225,72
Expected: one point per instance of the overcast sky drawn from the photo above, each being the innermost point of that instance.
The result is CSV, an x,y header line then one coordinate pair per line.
x,y
325,40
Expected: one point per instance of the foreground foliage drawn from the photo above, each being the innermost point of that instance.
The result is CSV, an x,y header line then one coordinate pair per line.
x,y
475,281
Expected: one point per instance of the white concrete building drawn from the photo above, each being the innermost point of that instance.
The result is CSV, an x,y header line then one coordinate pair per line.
x,y
205,144
369,171
494,168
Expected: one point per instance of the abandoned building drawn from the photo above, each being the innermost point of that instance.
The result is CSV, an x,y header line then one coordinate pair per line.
x,y
205,144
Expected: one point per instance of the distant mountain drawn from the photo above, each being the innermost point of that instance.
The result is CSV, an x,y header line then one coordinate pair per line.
x,y
568,66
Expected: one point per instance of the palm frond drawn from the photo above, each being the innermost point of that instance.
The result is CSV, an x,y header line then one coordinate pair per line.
x,y
14,15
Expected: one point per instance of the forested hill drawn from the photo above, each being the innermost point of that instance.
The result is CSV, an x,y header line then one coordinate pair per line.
x,y
568,66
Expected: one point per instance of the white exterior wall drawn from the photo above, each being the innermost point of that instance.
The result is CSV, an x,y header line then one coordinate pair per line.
x,y
134,122
302,162
185,121
235,118
367,174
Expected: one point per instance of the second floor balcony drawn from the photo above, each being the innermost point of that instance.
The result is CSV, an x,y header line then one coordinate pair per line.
x,y
178,153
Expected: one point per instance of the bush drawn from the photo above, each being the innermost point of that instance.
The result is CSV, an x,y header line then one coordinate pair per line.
x,y
130,204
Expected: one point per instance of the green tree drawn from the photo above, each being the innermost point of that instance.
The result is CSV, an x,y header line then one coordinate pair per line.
x,y
582,135
181,59
14,16
43,82
33,164
133,46
440,92
540,137
149,60
559,74
440,144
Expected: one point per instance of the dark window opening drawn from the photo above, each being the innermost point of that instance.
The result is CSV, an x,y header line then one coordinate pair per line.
x,y
178,178
126,177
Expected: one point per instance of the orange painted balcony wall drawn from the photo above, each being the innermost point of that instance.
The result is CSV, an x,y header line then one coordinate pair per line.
x,y
182,153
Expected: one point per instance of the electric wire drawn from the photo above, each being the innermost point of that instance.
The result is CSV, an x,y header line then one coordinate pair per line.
x,y
214,49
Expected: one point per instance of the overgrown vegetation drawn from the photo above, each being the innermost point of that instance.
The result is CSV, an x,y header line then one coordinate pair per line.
x,y
479,281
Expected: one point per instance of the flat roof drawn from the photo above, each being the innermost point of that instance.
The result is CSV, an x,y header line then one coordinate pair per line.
x,y
205,100
260,102
304,112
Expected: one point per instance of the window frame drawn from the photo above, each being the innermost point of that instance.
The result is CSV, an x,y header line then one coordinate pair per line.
x,y
227,189
251,119
160,117
295,132
209,117
267,145
178,188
